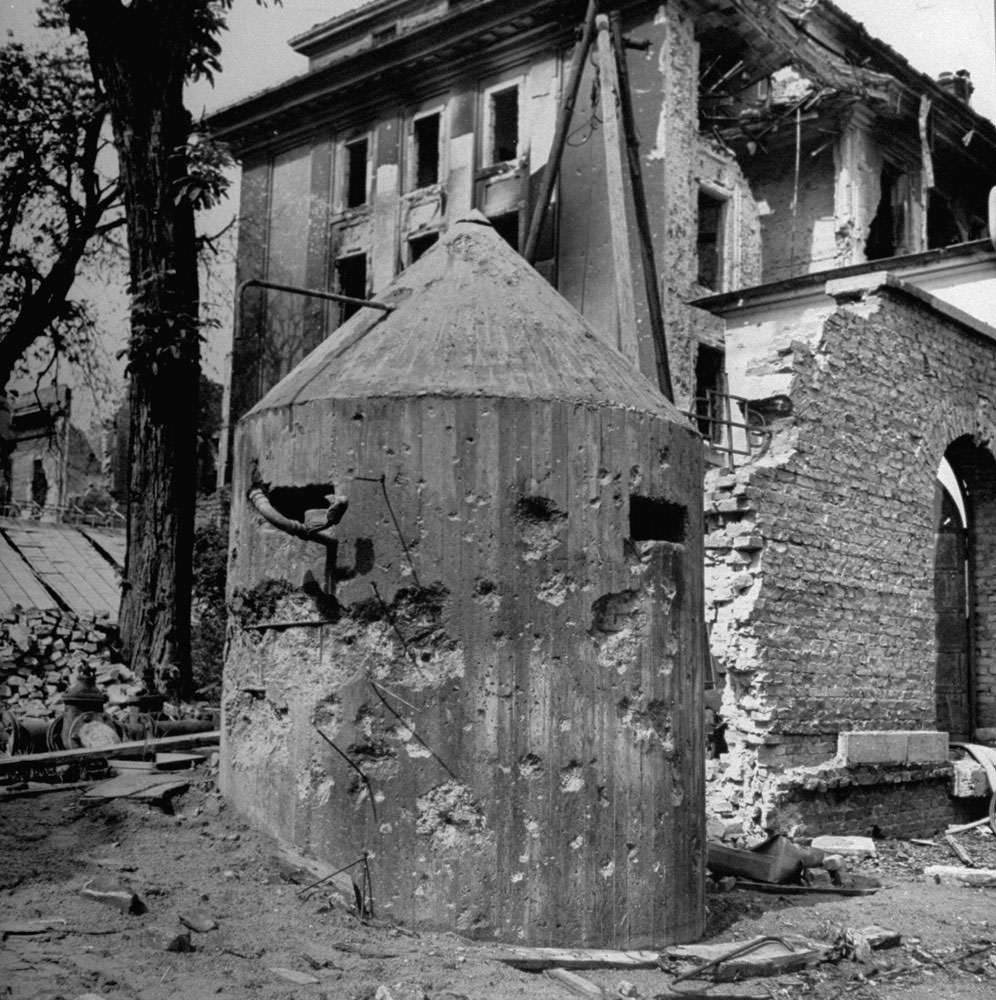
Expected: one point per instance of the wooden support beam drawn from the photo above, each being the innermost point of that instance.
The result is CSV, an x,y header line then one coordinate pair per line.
x,y
622,262
650,278
11,765
552,169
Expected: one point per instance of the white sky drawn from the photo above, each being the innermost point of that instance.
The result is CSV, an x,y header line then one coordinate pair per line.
x,y
935,35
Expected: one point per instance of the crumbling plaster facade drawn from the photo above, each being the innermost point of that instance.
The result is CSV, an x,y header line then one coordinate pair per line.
x,y
820,553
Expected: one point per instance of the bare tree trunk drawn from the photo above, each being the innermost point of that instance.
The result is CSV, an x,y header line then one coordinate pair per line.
x,y
140,56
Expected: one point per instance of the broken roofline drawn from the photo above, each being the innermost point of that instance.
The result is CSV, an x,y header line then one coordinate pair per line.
x,y
804,36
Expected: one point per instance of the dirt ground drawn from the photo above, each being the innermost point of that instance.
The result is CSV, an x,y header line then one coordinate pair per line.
x,y
204,862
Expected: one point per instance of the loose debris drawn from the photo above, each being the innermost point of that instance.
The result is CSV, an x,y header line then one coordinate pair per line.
x,y
976,878
297,978
762,956
578,985
113,894
199,921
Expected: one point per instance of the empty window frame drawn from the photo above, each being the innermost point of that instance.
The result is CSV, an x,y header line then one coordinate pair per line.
x,y
425,150
887,235
351,280
501,118
356,172
712,240
417,245
710,390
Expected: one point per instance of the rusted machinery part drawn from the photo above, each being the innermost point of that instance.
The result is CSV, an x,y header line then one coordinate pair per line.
x,y
258,497
986,757
91,731
53,736
24,735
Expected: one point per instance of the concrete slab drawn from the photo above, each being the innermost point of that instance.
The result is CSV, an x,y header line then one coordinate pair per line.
x,y
900,746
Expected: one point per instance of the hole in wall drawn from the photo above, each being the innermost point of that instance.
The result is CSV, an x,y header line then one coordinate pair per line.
x,y
652,519
293,501
537,508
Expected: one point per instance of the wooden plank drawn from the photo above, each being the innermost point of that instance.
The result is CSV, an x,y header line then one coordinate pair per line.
x,y
769,958
18,583
578,985
138,785
69,565
540,959
9,765
616,191
111,542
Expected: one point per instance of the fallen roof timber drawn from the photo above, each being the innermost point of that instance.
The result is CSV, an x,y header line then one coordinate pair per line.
x,y
10,765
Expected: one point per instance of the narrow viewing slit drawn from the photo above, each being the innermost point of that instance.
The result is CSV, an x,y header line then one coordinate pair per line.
x,y
655,520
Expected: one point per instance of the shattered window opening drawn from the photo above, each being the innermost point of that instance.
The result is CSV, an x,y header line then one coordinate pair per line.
x,y
503,115
351,280
425,150
355,180
887,233
710,389
711,243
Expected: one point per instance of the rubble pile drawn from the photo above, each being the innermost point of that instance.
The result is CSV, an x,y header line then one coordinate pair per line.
x,y
41,653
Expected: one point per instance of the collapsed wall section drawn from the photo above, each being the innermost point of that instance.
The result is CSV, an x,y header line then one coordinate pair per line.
x,y
820,554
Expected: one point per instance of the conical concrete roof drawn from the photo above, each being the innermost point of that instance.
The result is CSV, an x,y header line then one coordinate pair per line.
x,y
471,318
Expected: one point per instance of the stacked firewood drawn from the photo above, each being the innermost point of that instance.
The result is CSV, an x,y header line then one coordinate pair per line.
x,y
41,653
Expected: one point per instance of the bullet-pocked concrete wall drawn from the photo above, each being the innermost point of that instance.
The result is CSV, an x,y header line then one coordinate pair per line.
x,y
509,657
820,554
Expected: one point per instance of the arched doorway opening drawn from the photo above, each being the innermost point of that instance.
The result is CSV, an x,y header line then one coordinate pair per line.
x,y
964,586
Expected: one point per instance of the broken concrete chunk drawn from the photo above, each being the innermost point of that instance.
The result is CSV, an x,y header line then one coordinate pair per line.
x,y
852,847
297,978
880,938
781,865
113,894
319,957
982,878
198,920
181,943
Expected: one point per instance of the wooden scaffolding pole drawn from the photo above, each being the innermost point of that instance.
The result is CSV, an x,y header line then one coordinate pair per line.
x,y
552,169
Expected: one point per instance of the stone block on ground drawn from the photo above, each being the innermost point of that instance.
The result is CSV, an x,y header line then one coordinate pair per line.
x,y
978,878
851,847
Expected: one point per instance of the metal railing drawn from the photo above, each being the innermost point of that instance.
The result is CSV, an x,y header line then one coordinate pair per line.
x,y
730,427
71,513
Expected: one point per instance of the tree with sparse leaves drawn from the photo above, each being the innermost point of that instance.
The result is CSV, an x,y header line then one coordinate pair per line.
x,y
58,207
141,53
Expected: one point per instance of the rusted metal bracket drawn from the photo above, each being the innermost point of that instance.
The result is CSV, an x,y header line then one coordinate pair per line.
x,y
318,524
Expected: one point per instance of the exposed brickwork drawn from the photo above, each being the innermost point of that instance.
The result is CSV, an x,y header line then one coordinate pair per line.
x,y
829,626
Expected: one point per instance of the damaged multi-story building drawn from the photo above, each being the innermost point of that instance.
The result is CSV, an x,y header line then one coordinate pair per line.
x,y
817,208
